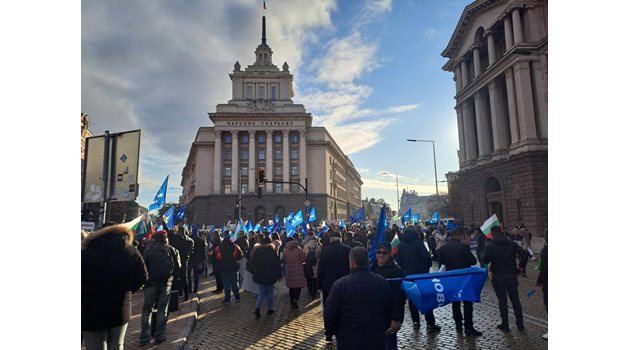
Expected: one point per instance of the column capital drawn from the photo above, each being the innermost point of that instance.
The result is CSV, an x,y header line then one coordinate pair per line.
x,y
489,32
252,132
285,132
475,47
302,132
269,132
234,132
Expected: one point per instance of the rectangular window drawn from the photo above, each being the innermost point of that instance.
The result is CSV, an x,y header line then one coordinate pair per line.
x,y
261,92
294,170
244,155
261,139
273,92
278,171
228,171
295,139
243,188
244,171
244,139
250,91
295,188
294,154
228,139
227,155
278,139
227,188
277,155
277,188
261,155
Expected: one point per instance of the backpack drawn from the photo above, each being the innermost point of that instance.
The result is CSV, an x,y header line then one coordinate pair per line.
x,y
161,265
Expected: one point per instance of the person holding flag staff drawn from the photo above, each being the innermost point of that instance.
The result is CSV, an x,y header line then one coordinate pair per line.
x,y
501,253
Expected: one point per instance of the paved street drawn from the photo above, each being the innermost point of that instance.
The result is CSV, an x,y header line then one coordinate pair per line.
x,y
234,326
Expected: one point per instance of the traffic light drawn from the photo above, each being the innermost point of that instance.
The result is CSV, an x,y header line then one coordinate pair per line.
x,y
260,176
259,192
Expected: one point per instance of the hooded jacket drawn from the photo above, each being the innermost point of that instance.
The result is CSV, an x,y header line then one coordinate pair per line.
x,y
229,253
265,264
294,257
111,269
413,256
501,252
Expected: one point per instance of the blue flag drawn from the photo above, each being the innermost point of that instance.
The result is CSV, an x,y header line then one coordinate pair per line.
x,y
379,236
290,229
358,216
531,293
405,217
311,216
181,213
450,226
322,230
415,218
435,218
168,217
275,218
160,196
342,224
297,219
431,290
249,227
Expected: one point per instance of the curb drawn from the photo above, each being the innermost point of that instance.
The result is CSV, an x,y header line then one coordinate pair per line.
x,y
188,327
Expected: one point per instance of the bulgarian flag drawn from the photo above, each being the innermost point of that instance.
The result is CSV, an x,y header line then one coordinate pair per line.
x,y
492,221
136,224
394,244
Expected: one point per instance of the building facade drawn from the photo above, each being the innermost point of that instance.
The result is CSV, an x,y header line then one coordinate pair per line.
x,y
261,127
498,56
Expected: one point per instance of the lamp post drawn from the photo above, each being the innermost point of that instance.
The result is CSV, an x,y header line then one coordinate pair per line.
x,y
397,196
434,163
240,191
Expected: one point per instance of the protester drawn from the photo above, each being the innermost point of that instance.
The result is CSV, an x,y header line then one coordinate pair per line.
x,y
501,253
294,258
275,239
542,276
197,260
265,267
242,243
387,267
456,255
527,241
111,269
212,256
332,265
184,246
312,249
414,258
361,237
359,307
163,262
227,255
349,240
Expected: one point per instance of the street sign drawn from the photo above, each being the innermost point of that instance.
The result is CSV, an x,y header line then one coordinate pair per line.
x,y
307,203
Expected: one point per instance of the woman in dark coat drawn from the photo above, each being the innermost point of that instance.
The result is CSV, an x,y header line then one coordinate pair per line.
x,y
265,266
111,269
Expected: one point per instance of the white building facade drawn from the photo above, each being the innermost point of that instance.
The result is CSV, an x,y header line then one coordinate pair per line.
x,y
261,127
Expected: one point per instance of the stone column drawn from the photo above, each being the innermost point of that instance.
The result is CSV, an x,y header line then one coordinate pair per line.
x,y
481,114
497,113
541,97
512,110
458,78
303,157
509,39
251,174
217,161
285,160
524,100
235,165
269,160
492,53
476,61
462,133
469,127
465,75
516,26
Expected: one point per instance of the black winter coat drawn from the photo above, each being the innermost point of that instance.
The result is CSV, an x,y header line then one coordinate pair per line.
x,y
230,254
413,256
333,264
392,270
111,269
199,250
501,252
359,310
456,255
184,246
265,265
542,276
150,255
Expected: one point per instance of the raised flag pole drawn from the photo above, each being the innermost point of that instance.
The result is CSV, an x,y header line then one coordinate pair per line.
x,y
102,212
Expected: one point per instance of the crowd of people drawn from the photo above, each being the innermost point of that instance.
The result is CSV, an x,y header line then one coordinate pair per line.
x,y
167,266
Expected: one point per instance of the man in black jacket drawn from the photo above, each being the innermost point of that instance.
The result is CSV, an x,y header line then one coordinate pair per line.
x,y
359,307
414,258
349,240
456,255
184,246
501,253
332,265
197,260
387,267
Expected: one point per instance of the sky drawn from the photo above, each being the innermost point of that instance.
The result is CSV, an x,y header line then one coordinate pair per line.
x,y
368,71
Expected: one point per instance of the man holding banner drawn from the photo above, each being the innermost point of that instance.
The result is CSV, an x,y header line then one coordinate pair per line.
x,y
501,253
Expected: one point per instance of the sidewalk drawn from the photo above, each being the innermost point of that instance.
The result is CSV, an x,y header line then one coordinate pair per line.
x,y
179,326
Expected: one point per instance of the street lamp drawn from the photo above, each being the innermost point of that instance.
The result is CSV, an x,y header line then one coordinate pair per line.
x,y
434,163
397,196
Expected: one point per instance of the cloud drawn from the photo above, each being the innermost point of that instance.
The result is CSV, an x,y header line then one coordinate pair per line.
x,y
346,59
371,11
391,185
400,109
431,33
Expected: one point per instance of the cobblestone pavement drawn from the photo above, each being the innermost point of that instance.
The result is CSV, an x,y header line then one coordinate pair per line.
x,y
235,327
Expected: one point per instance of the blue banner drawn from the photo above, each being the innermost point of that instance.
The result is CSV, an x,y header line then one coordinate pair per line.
x,y
435,218
358,216
432,290
405,217
379,236
160,196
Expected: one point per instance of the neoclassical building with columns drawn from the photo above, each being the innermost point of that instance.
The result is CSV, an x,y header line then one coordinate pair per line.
x,y
261,127
498,56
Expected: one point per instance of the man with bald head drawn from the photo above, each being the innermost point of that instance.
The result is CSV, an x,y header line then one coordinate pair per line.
x,y
359,310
